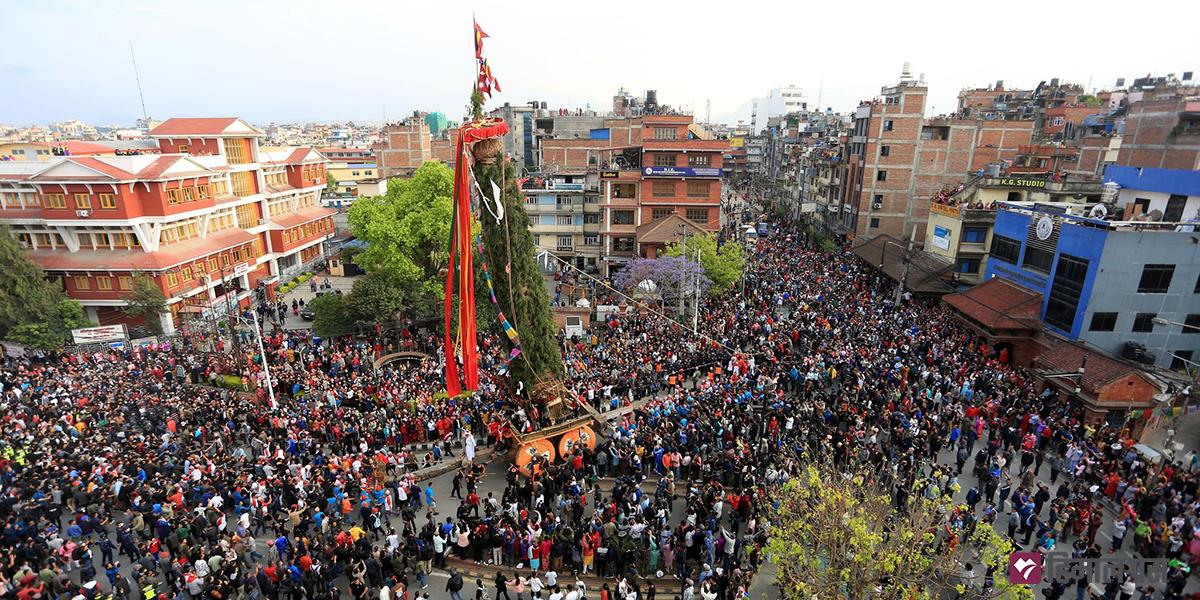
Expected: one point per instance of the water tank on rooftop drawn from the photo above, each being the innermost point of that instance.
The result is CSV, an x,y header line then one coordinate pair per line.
x,y
651,97
1133,350
992,169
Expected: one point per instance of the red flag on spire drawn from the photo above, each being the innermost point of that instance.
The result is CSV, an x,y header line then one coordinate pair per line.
x,y
479,35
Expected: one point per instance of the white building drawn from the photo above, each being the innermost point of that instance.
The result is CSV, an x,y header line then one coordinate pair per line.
x,y
778,102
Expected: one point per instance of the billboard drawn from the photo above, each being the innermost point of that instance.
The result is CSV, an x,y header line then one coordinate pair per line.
x,y
683,171
735,142
91,335
941,237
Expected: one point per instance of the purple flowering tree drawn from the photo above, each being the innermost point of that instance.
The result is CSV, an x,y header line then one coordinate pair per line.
x,y
664,279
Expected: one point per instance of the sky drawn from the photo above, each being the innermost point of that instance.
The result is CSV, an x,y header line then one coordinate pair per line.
x,y
344,60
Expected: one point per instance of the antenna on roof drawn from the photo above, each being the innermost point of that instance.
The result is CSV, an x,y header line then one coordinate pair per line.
x,y
138,79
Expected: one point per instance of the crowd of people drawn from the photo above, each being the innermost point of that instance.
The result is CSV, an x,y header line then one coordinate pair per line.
x,y
122,478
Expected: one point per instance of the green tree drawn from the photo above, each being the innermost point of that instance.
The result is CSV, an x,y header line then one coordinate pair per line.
x,y
520,286
331,184
374,299
1090,101
406,231
332,320
838,536
146,300
55,330
724,265
26,296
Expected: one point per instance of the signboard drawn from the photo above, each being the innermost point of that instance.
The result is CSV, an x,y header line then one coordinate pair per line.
x,y
735,142
1049,209
941,237
808,207
92,335
610,174
683,171
242,269
942,209
13,349
1016,182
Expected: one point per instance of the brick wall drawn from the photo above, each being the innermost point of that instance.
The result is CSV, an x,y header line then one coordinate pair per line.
x,y
1148,142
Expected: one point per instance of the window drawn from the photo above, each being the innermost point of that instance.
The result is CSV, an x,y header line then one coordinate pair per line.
x,y
1106,321
125,282
243,184
103,282
235,152
591,219
219,188
622,244
54,201
565,242
874,222
1006,249
1144,322
660,213
1156,279
591,240
622,217
878,201
354,173
698,189
1065,291
885,150
1192,324
887,125
82,283
108,201
699,215
967,265
663,189
699,160
247,217
103,240
43,239
665,133
974,235
172,279
565,220
1181,359
212,264
664,160
537,240
1038,260
83,202
881,175
85,239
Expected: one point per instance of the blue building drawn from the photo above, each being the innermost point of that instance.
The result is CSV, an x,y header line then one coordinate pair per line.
x,y
1106,282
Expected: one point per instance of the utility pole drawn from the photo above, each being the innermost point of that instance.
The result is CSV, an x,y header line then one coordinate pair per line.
x,y
682,254
903,275
258,334
696,306
232,315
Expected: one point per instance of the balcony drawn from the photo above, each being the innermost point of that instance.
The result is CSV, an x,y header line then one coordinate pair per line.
x,y
556,229
978,215
574,207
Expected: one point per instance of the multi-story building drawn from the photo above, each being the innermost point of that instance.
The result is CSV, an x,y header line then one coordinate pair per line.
x,y
1107,282
564,211
895,161
406,146
209,220
777,103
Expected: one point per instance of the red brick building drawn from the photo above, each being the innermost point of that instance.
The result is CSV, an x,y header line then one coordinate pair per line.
x,y
209,219
1162,133
895,160
406,146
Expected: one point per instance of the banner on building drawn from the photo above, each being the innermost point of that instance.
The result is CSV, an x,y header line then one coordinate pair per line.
x,y
610,174
683,171
942,209
93,335
735,142
14,349
808,207
941,237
